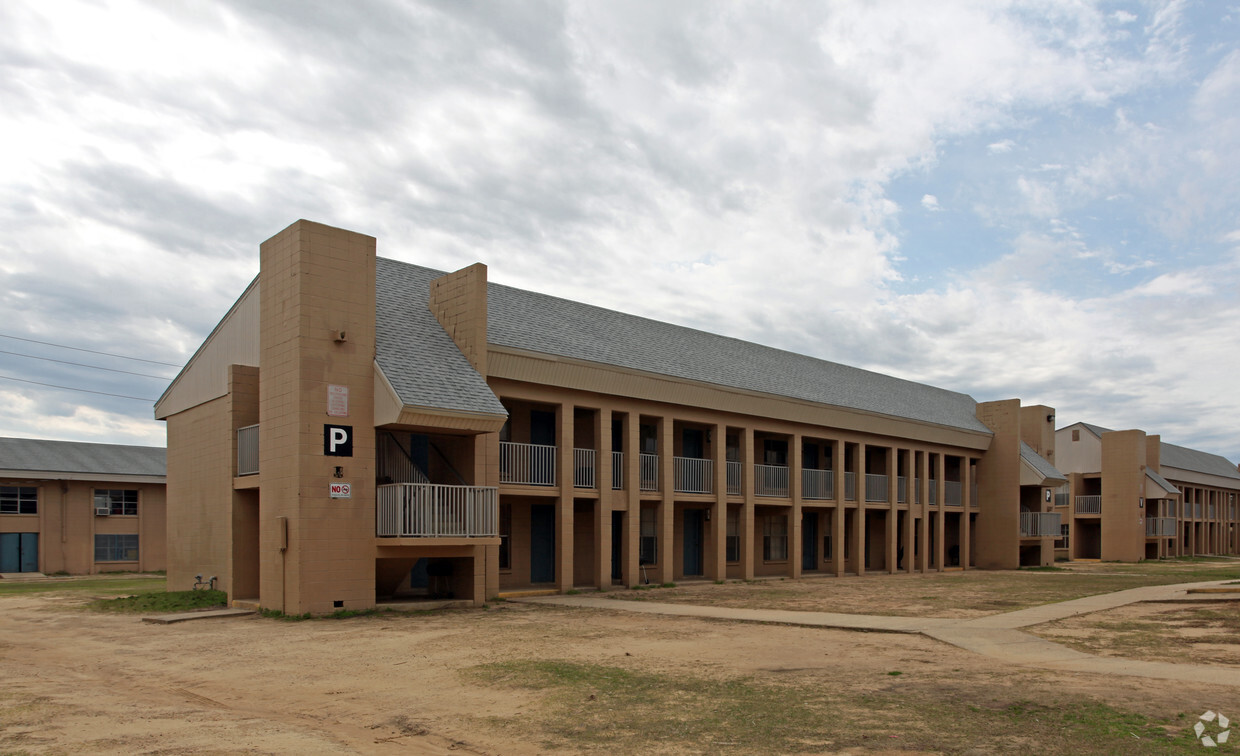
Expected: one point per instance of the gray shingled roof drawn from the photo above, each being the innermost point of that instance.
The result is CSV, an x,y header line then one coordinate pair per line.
x,y
71,457
1160,480
549,325
1184,458
1044,468
418,357
427,369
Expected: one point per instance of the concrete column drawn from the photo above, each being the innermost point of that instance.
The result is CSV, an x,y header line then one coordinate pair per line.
x,y
794,492
667,505
602,509
633,497
717,560
966,506
746,527
564,503
922,462
910,522
837,519
891,534
940,493
859,521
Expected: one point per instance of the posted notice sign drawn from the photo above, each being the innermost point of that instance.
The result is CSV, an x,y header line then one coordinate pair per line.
x,y
341,491
337,401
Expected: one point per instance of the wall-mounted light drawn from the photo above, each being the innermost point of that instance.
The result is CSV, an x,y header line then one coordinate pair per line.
x,y
339,472
1050,418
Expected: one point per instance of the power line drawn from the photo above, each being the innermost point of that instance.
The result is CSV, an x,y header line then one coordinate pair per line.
x,y
70,388
92,351
81,364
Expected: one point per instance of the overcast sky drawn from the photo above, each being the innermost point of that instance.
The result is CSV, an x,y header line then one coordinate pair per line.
x,y
1010,199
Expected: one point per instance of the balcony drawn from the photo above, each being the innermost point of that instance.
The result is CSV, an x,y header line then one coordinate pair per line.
x,y
901,489
875,487
818,484
1089,505
694,475
247,450
1160,527
617,471
770,480
1039,525
424,510
649,471
850,486
583,468
953,493
526,464
734,478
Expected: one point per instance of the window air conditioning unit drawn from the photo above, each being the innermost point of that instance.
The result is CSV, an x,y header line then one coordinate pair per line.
x,y
103,511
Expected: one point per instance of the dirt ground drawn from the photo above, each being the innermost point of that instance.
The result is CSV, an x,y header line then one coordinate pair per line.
x,y
74,681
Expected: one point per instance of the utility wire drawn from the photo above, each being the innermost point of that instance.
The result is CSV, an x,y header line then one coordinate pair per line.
x,y
82,364
92,351
71,388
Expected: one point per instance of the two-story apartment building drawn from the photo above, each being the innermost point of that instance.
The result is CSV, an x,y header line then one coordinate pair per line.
x,y
79,507
358,428
1130,496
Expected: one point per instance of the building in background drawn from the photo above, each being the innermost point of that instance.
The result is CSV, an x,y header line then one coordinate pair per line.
x,y
80,508
1130,496
357,428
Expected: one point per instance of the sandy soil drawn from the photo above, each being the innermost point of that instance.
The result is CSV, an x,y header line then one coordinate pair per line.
x,y
77,681
1207,633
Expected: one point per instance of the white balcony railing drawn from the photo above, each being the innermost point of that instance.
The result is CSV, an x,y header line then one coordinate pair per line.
x,y
818,484
850,486
424,510
1160,527
934,493
247,450
734,478
1089,505
952,493
875,487
770,480
617,470
694,475
1039,525
649,471
901,489
583,468
526,464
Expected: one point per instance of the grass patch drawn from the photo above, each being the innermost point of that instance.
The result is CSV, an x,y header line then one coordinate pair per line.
x,y
592,707
86,585
162,603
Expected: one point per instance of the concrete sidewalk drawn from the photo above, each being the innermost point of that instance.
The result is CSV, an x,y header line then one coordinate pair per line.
x,y
998,636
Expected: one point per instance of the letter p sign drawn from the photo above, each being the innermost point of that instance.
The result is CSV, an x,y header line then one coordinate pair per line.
x,y
338,440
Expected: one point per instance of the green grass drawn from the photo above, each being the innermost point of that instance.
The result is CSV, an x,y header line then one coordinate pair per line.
x,y
96,586
592,707
162,603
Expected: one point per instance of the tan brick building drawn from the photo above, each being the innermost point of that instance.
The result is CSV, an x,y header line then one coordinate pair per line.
x,y
358,428
80,508
1130,496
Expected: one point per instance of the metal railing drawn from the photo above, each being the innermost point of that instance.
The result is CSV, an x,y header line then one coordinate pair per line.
x,y
770,480
247,450
850,486
875,487
973,502
1063,497
694,475
583,468
425,510
818,484
617,471
734,478
1160,527
649,471
1039,525
526,464
953,493
901,489
933,496
1089,505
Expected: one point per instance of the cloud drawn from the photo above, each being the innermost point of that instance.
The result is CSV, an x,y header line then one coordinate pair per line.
x,y
930,202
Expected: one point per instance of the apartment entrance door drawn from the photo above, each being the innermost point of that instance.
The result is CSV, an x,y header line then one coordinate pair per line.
x,y
542,427
542,543
19,552
693,542
809,540
617,544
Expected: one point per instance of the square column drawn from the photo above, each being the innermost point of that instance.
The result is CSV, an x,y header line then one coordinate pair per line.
x,y
667,505
837,520
564,502
893,514
795,547
921,460
633,498
602,508
940,496
745,526
717,562
966,506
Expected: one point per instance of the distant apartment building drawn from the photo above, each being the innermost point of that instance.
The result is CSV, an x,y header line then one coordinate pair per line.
x,y
80,508
358,428
1130,496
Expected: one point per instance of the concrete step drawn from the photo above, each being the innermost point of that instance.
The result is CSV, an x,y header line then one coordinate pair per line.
x,y
169,619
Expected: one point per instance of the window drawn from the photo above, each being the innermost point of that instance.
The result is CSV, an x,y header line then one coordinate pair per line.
x,y
505,536
775,538
775,452
19,500
826,547
117,501
116,547
649,546
734,538
1062,543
